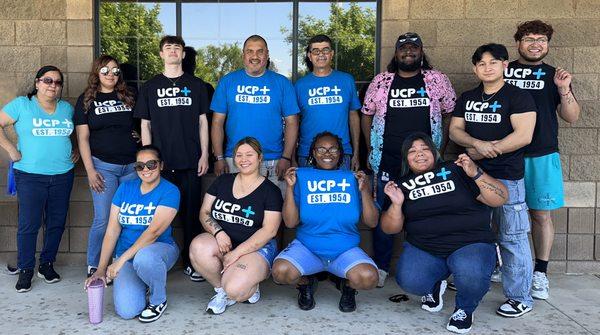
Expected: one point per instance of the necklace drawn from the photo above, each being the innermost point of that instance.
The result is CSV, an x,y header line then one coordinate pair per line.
x,y
490,98
174,82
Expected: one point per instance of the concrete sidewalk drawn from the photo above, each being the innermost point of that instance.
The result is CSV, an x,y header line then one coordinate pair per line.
x,y
61,308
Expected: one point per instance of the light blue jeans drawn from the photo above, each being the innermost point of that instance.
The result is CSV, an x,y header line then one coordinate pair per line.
x,y
114,175
513,224
148,270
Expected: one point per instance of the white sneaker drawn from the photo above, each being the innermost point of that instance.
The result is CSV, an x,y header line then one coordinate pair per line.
x,y
219,302
513,309
255,297
382,276
496,276
540,286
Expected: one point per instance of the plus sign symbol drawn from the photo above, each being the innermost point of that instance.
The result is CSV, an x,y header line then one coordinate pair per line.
x,y
67,123
495,106
422,92
343,184
539,73
335,90
264,90
248,211
443,173
186,91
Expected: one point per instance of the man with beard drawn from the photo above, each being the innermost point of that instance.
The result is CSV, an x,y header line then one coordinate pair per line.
x,y
551,90
409,97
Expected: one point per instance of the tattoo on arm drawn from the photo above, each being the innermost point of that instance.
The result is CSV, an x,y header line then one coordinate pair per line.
x,y
213,223
489,186
241,266
569,99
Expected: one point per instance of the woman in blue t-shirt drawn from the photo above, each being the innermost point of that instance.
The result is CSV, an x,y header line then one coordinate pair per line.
x,y
139,234
43,168
325,204
241,213
104,123
445,209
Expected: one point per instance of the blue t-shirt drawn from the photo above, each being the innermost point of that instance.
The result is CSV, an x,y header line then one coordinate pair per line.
x,y
44,140
325,103
136,210
330,205
255,107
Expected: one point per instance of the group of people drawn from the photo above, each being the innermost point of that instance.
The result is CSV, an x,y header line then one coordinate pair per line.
x,y
290,153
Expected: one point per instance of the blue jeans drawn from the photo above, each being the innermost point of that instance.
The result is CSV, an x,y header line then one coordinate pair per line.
x,y
114,175
418,271
147,270
346,163
382,242
513,224
41,198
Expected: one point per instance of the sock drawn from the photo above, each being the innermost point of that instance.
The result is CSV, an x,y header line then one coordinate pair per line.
x,y
540,265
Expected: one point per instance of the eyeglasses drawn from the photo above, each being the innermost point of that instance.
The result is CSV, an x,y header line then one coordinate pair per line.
x,y
49,81
331,151
105,70
151,165
529,40
324,51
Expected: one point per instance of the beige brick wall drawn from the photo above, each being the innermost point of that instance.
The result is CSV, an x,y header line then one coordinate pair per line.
x,y
60,32
452,29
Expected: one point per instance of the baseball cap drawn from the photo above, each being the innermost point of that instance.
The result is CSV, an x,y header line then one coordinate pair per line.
x,y
412,38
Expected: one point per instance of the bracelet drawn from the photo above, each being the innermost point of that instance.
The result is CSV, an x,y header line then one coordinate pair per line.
x,y
217,232
219,158
479,174
564,95
287,159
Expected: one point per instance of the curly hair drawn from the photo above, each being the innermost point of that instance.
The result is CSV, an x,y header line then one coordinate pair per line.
x,y
533,27
93,86
311,157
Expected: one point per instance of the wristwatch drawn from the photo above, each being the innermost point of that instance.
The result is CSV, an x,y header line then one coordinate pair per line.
x,y
479,173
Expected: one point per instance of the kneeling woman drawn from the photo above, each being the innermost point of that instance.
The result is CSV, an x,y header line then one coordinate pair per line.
x,y
326,204
444,207
139,233
241,213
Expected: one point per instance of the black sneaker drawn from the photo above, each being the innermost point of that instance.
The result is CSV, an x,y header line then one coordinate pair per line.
x,y
434,301
513,309
306,293
24,282
460,322
12,270
47,273
348,298
152,312
91,271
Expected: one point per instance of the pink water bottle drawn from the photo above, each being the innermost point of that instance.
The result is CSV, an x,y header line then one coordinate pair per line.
x,y
96,301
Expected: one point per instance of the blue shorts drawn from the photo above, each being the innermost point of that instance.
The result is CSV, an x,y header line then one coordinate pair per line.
x,y
308,263
268,252
544,182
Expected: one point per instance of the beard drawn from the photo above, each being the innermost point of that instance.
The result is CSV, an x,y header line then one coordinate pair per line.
x,y
532,59
409,67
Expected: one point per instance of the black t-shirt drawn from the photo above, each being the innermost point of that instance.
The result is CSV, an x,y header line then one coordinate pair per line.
x,y
240,218
538,80
487,118
110,122
407,112
441,210
174,106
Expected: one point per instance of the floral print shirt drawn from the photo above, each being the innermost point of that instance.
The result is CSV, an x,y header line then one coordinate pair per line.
x,y
442,100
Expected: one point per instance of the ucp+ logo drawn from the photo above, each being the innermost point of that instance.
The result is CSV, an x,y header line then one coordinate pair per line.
x,y
426,178
523,73
482,106
407,92
172,92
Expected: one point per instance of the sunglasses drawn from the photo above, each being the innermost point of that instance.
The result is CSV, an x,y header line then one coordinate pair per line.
x,y
49,81
408,39
151,165
105,70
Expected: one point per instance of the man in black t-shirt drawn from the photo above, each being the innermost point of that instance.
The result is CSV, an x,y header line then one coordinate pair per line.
x,y
409,97
551,90
495,122
173,107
